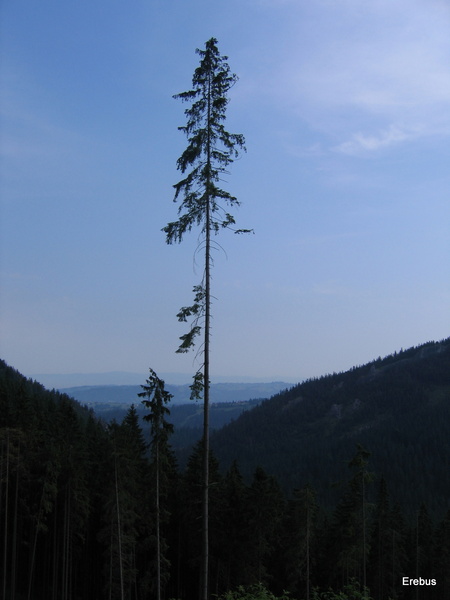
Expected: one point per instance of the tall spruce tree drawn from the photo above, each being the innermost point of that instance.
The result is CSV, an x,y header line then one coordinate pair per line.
x,y
211,149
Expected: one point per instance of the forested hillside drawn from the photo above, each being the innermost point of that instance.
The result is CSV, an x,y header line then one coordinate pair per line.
x,y
78,509
397,407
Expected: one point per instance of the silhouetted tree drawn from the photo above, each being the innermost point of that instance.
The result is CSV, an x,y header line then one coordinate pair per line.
x,y
211,149
157,399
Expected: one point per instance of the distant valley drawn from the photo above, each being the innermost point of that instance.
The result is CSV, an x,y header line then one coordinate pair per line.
x,y
228,402
398,407
124,395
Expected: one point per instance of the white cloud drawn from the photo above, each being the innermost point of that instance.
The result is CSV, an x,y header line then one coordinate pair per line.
x,y
369,143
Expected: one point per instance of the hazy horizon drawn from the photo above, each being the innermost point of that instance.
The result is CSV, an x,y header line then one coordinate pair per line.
x,y
118,378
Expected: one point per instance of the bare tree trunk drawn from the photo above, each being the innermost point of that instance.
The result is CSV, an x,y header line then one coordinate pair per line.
x,y
417,554
55,578
66,571
205,499
33,551
158,540
5,541
14,540
119,533
364,535
64,556
111,562
308,533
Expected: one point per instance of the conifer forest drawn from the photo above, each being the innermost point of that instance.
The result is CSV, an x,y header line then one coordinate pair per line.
x,y
99,510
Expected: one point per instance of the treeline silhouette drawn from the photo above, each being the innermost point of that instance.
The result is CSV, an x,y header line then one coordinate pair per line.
x,y
77,505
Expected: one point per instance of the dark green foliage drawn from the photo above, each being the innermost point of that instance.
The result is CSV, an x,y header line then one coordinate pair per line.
x,y
78,514
157,399
233,542
265,511
349,532
211,149
190,510
253,592
45,500
351,591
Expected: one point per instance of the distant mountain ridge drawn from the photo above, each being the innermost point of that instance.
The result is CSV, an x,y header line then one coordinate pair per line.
x,y
60,381
124,395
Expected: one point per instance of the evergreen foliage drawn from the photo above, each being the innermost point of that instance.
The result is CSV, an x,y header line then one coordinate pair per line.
x,y
254,592
78,516
162,468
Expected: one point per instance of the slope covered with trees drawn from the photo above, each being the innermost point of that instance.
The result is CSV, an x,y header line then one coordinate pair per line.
x,y
89,510
398,407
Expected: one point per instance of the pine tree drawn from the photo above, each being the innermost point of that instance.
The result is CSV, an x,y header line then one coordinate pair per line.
x,y
157,398
211,149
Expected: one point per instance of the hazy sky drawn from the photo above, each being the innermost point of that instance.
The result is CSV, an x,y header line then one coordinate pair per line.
x,y
345,106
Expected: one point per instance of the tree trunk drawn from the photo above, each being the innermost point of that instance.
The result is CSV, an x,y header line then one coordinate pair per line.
x,y
14,540
205,500
5,541
119,533
158,541
36,533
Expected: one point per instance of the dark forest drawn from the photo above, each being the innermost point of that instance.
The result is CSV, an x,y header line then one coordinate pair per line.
x,y
77,495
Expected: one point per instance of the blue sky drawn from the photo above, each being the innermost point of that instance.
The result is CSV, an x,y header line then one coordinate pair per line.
x,y
345,106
